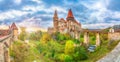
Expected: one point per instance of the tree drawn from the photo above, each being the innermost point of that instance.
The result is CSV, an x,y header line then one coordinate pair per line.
x,y
22,34
35,35
22,52
80,53
45,38
69,47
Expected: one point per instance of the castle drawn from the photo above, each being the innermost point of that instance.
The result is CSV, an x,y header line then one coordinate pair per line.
x,y
12,29
70,25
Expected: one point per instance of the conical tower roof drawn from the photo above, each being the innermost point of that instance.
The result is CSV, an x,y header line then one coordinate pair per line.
x,y
55,14
13,26
70,14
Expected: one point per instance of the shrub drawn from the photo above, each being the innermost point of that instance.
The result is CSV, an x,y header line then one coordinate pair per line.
x,y
80,54
65,58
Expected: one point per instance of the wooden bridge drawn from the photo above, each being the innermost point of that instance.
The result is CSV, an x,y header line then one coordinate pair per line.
x,y
5,43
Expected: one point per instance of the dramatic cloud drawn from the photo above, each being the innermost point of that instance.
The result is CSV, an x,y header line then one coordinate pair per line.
x,y
12,14
39,13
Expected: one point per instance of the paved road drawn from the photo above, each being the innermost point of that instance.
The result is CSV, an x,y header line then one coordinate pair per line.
x,y
113,56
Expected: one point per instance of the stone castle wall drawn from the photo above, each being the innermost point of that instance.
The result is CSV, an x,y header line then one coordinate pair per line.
x,y
114,36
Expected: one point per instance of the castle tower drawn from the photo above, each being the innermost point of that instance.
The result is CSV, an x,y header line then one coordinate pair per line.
x,y
14,30
55,21
70,15
71,24
70,19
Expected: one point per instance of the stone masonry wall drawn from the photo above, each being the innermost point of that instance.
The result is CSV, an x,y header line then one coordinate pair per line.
x,y
114,36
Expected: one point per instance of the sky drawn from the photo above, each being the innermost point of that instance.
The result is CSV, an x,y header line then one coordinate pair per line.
x,y
92,14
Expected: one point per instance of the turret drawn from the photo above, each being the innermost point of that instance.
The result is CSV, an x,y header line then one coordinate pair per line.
x,y
55,21
14,30
70,15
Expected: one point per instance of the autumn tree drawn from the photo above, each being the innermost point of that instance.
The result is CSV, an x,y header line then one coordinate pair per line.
x,y
45,38
69,47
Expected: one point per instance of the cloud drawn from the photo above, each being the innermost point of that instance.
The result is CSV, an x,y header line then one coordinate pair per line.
x,y
97,9
35,22
30,22
97,25
116,14
12,14
38,1
89,12
17,1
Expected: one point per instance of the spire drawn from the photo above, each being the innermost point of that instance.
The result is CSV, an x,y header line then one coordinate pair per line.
x,y
55,14
70,14
13,26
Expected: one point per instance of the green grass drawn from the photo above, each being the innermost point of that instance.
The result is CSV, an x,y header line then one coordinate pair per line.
x,y
100,52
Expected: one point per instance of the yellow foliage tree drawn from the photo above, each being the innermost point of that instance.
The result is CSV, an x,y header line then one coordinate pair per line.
x,y
69,47
45,38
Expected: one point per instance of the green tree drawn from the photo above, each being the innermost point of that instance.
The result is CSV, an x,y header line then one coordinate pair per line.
x,y
35,35
80,53
69,47
23,34
22,52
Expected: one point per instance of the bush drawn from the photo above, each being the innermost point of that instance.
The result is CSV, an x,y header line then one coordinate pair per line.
x,y
80,54
60,37
50,49
65,58
76,41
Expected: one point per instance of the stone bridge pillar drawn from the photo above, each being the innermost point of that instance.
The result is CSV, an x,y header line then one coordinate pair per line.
x,y
6,54
2,52
98,39
86,39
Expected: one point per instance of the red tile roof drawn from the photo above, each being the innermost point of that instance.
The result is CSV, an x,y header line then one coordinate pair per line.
x,y
117,30
4,33
62,19
70,14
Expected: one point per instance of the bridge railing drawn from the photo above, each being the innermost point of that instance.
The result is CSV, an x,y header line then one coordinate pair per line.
x,y
5,37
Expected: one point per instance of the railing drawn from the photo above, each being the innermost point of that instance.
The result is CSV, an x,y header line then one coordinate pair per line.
x,y
5,37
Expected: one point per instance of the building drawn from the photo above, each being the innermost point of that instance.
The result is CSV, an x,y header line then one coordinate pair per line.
x,y
69,25
12,29
114,34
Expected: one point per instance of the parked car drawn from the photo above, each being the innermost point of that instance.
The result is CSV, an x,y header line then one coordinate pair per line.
x,y
91,48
